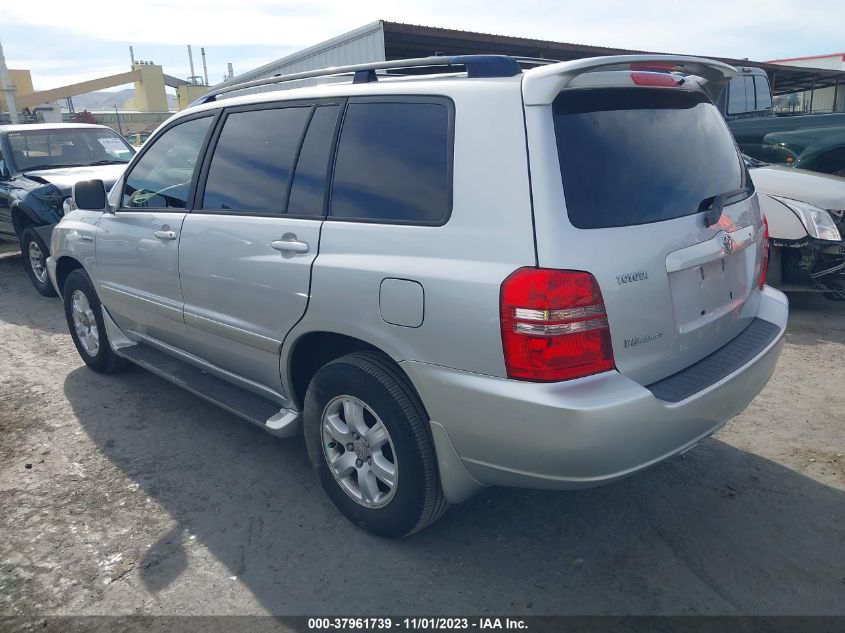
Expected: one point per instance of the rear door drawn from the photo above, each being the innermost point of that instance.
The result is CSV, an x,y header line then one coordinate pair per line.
x,y
246,250
622,174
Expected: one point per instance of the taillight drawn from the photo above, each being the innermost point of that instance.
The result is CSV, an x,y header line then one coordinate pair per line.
x,y
554,325
764,267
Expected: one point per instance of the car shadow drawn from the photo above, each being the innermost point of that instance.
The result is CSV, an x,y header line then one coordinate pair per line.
x,y
716,531
813,319
20,303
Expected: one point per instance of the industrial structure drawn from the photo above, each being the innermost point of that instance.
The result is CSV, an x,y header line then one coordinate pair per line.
x,y
383,40
824,98
147,108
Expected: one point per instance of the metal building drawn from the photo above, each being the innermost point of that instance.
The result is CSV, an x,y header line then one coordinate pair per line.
x,y
383,40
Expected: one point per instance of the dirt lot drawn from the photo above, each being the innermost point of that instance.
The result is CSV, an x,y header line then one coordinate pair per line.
x,y
123,494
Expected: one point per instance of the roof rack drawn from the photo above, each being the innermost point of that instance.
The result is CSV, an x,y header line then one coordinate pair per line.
x,y
476,66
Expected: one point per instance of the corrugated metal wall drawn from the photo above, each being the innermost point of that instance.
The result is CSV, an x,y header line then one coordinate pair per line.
x,y
360,46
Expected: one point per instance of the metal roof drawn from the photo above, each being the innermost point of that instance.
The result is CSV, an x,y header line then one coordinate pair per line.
x,y
383,40
412,40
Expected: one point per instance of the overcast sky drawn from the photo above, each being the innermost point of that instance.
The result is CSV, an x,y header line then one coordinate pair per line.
x,y
68,41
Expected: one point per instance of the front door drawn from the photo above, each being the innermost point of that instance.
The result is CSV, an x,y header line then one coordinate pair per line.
x,y
246,250
138,245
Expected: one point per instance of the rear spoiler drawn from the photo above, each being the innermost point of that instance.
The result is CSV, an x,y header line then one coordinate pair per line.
x,y
541,85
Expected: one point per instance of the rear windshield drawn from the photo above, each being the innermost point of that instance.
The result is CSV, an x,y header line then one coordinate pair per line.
x,y
639,155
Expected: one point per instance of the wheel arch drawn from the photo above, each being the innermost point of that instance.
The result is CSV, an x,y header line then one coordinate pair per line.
x,y
65,266
21,218
312,350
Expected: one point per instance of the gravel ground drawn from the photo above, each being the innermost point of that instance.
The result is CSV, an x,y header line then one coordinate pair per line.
x,y
123,494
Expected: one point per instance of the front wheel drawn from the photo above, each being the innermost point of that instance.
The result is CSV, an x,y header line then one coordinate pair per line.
x,y
85,320
35,253
367,438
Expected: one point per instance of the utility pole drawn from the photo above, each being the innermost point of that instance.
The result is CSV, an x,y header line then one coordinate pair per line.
x,y
7,89
117,116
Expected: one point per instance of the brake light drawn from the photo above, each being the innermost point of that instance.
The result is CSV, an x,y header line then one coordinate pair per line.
x,y
554,325
656,79
764,267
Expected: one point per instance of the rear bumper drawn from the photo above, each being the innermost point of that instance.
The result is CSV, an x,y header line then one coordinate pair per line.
x,y
580,433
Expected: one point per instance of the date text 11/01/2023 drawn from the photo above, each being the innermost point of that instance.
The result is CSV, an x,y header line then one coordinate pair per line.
x,y
415,624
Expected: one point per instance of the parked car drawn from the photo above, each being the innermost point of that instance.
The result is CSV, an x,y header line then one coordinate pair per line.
x,y
39,164
806,215
820,149
493,277
137,139
746,103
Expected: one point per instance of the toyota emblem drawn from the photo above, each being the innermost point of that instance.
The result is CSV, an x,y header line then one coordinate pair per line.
x,y
727,243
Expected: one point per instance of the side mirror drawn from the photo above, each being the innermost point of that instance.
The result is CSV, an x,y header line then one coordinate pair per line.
x,y
4,171
90,195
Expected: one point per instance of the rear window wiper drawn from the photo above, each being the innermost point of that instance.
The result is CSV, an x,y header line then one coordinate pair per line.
x,y
712,206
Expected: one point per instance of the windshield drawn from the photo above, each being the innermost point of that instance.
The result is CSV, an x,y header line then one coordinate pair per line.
x,y
71,147
639,155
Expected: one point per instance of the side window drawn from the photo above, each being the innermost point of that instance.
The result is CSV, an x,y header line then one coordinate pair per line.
x,y
393,163
161,179
741,95
763,92
309,179
253,160
3,170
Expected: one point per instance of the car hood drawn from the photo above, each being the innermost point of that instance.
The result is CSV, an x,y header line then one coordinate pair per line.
x,y
64,177
822,190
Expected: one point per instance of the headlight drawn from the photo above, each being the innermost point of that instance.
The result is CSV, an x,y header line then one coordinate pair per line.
x,y
817,221
68,205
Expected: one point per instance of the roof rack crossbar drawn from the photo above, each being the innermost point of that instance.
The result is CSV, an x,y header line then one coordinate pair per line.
x,y
476,66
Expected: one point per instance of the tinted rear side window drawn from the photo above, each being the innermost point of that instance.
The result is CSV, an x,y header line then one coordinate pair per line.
x,y
253,159
638,155
393,163
309,180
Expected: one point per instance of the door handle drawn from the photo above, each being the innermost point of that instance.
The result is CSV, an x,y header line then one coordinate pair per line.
x,y
165,235
289,244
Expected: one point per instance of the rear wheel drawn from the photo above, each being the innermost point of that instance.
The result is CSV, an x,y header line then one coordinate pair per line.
x,y
35,253
84,315
367,438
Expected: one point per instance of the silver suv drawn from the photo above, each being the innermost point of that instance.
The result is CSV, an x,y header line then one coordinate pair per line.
x,y
548,278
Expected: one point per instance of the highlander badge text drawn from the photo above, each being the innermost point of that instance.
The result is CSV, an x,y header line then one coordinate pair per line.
x,y
639,340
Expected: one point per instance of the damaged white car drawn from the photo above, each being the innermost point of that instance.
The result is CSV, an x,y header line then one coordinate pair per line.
x,y
806,215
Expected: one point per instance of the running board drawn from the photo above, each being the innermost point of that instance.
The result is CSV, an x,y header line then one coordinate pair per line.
x,y
245,404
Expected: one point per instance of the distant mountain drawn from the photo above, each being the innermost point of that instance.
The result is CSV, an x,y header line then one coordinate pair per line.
x,y
105,100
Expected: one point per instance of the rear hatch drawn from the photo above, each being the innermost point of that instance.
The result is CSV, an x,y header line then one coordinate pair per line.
x,y
642,157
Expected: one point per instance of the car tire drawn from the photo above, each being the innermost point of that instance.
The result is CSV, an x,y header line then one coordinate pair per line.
x,y
84,315
367,388
34,253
